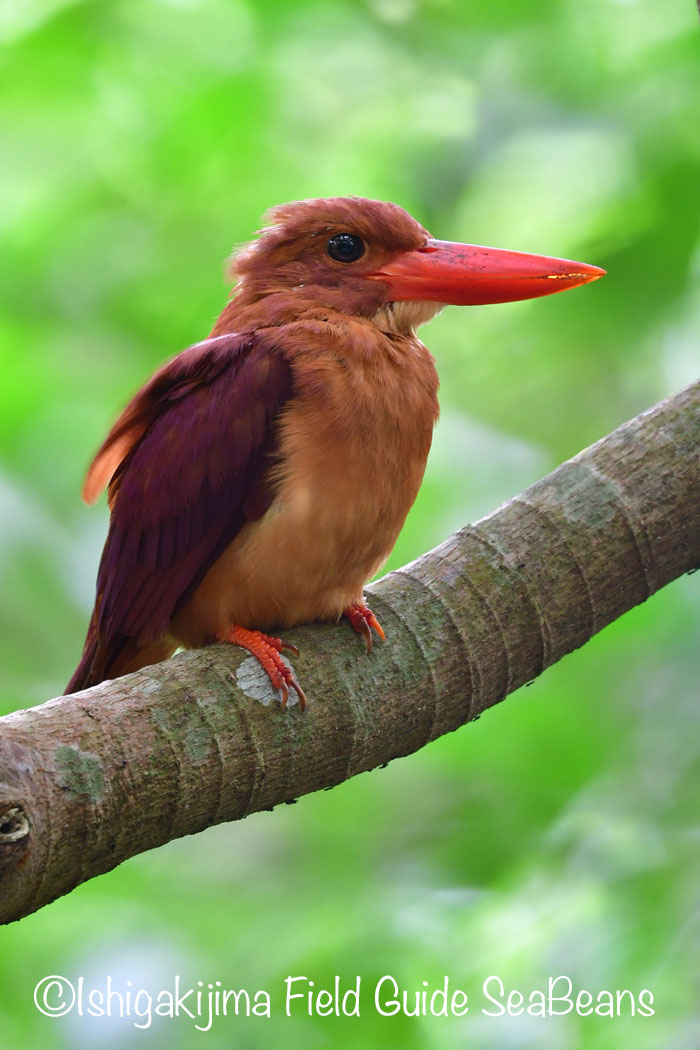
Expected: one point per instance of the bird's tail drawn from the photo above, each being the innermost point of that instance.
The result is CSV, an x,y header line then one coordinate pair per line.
x,y
119,657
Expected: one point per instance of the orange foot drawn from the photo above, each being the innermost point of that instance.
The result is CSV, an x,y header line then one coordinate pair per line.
x,y
267,651
364,621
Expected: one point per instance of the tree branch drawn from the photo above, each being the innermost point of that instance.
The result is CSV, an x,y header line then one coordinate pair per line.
x,y
91,779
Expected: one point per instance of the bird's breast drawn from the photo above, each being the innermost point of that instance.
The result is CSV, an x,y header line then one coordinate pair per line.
x,y
355,442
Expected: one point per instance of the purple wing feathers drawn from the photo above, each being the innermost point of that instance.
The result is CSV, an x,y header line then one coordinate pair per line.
x,y
198,438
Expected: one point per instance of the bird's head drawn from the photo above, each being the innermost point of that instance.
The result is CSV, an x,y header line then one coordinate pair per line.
x,y
372,259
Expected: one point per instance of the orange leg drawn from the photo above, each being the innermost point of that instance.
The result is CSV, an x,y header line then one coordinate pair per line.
x,y
266,651
364,622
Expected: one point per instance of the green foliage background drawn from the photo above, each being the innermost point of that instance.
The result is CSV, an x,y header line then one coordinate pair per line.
x,y
560,834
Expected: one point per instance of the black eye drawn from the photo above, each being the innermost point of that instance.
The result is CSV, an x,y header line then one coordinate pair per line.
x,y
345,247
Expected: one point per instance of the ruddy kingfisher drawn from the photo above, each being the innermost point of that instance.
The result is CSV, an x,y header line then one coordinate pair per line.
x,y
261,477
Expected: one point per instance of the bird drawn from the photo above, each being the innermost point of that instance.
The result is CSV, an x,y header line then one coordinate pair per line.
x,y
261,476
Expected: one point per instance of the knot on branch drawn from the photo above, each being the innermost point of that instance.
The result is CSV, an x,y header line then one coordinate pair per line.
x,y
15,838
14,825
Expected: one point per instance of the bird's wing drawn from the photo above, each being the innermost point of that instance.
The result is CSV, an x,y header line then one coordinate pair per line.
x,y
186,464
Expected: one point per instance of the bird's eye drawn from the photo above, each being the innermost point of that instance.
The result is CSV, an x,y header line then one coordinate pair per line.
x,y
346,247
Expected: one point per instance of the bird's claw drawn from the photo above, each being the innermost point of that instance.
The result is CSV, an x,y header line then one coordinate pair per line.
x,y
280,645
364,622
287,680
266,651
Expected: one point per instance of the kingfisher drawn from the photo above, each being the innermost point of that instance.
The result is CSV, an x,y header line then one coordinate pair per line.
x,y
261,476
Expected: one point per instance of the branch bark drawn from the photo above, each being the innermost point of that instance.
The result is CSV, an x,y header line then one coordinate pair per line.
x,y
89,780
